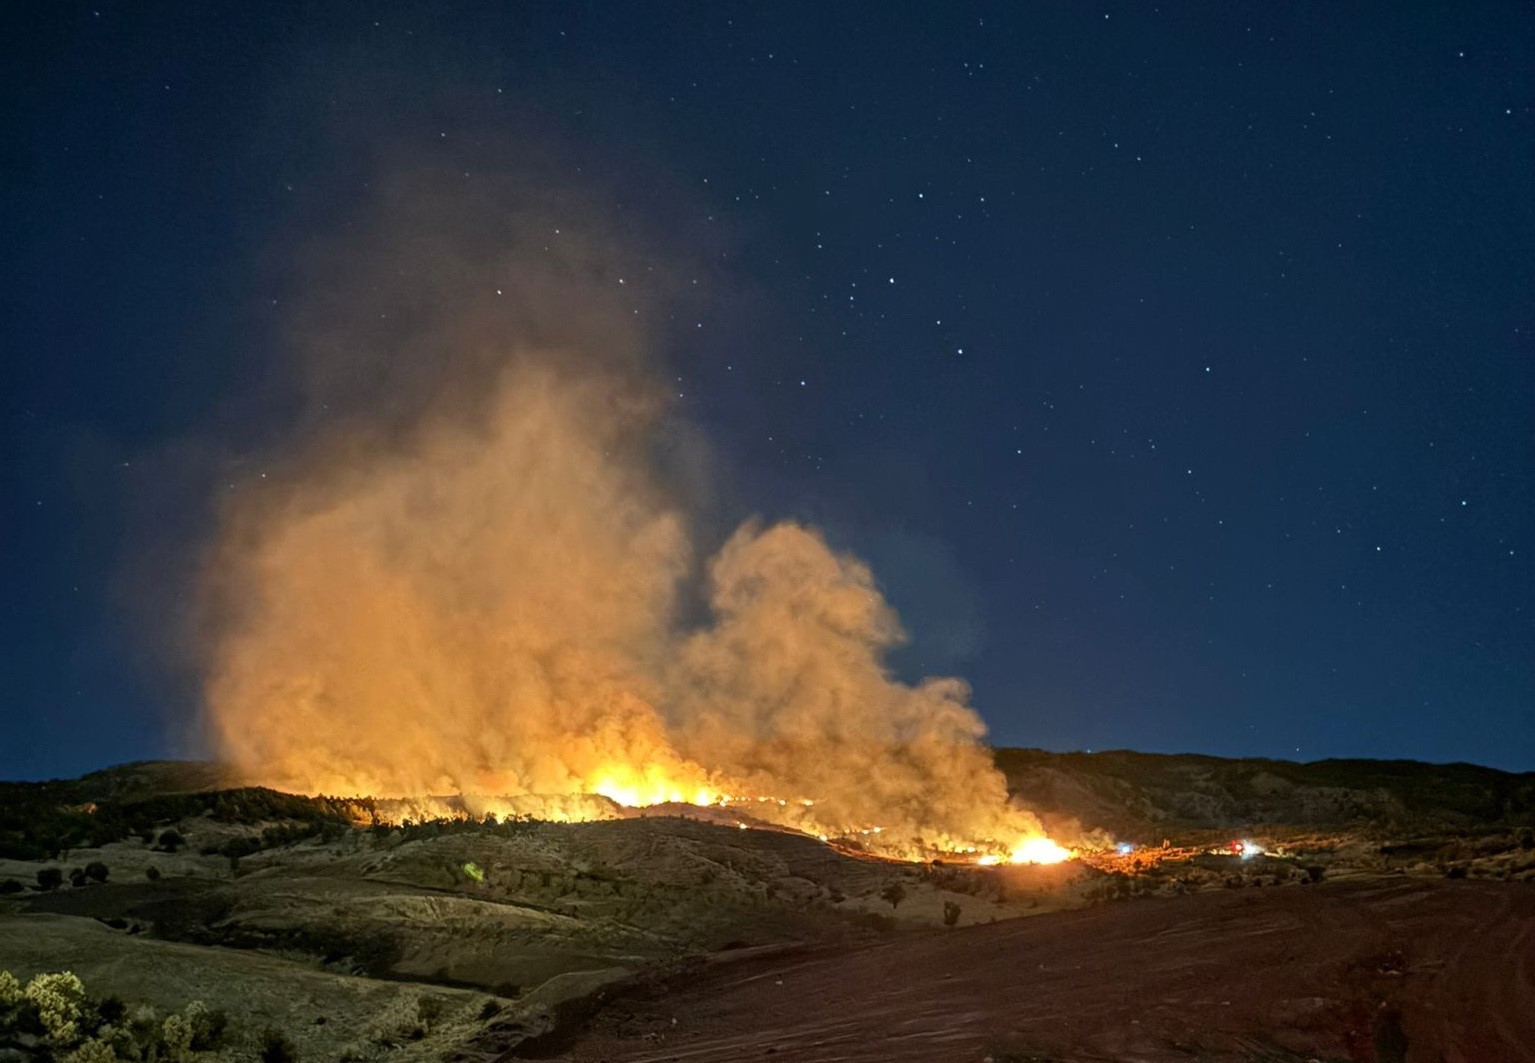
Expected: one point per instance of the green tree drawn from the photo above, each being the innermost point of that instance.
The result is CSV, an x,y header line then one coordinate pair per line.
x,y
171,840
275,1048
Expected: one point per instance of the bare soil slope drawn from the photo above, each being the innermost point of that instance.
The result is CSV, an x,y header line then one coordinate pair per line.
x,y
1364,970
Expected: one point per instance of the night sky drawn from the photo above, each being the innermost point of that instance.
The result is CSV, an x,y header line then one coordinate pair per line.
x,y
1170,366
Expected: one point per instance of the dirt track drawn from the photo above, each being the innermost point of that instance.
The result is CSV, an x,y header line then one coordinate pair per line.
x,y
1346,970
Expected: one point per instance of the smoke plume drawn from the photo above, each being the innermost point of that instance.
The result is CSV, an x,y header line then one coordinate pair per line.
x,y
462,568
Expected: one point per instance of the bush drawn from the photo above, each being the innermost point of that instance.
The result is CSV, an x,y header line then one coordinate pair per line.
x,y
171,840
97,871
11,885
10,990
894,893
275,1048
209,1025
93,1051
152,873
109,1011
50,878
176,1036
56,998
76,877
51,1019
429,1010
950,913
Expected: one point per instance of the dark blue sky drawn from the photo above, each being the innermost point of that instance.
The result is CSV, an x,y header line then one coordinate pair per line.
x,y
1172,367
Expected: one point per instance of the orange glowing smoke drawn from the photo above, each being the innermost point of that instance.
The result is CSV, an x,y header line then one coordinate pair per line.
x,y
463,571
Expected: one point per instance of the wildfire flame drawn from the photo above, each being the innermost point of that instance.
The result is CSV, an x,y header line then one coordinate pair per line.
x,y
619,789
643,789
472,568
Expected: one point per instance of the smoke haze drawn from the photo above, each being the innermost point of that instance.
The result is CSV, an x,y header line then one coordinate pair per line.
x,y
467,568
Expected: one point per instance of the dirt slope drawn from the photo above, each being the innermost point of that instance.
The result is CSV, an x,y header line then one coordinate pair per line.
x,y
1349,970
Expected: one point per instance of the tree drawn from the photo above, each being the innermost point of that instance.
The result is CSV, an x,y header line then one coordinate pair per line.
x,y
950,913
50,878
96,870
171,840
275,1048
895,893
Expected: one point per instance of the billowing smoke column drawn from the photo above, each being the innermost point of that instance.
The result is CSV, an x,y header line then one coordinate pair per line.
x,y
460,571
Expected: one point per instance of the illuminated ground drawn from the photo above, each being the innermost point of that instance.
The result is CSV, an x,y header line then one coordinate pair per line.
x,y
1350,970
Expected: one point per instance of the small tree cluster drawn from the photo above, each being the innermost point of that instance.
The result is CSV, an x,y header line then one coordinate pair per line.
x,y
50,1019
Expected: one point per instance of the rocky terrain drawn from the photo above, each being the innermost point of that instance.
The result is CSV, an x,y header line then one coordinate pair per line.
x,y
163,883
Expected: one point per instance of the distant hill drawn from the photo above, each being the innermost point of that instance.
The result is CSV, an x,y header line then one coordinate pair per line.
x,y
1129,795
1140,795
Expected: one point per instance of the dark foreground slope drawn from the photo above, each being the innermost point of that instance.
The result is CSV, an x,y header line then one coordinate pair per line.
x,y
1380,970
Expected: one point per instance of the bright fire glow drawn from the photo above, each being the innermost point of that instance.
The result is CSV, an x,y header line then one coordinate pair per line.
x,y
654,784
636,791
1039,851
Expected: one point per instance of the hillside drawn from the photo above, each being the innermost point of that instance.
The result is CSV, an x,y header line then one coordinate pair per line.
x,y
157,881
1142,796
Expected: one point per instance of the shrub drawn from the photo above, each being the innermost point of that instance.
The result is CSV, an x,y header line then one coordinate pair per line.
x,y
11,885
57,998
50,878
95,1050
950,913
51,1014
209,1026
429,1010
235,848
176,1036
152,873
76,877
171,840
894,893
110,1011
96,870
275,1048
